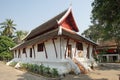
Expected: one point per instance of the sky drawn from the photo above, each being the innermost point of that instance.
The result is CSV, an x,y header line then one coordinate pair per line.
x,y
29,14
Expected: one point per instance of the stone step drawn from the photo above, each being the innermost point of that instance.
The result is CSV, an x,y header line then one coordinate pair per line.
x,y
81,67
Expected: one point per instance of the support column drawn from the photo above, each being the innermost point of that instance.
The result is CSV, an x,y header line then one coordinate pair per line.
x,y
66,47
45,51
107,56
118,57
34,50
60,47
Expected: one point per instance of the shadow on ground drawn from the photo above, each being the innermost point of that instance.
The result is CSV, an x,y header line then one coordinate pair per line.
x,y
80,77
109,66
29,76
9,73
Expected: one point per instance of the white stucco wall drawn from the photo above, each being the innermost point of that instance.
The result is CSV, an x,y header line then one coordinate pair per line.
x,y
85,50
60,61
40,56
90,52
15,55
50,50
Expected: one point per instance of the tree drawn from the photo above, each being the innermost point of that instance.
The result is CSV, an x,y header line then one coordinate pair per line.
x,y
94,32
0,33
8,28
5,44
19,35
106,14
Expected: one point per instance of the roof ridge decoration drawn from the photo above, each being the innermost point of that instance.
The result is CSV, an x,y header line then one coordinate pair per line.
x,y
66,14
65,19
68,18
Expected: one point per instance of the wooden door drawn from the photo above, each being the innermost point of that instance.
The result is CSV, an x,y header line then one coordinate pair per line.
x,y
30,52
70,51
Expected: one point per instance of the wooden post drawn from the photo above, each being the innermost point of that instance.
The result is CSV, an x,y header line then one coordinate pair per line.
x,y
45,52
66,47
55,48
60,47
33,50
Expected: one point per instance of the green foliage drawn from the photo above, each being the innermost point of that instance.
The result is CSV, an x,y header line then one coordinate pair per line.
x,y
6,38
19,35
94,32
13,64
30,67
47,71
24,66
106,14
8,28
106,22
54,72
42,70
96,59
5,44
6,56
106,11
36,68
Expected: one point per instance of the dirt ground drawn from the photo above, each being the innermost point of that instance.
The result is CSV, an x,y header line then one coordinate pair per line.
x,y
106,71
109,71
9,73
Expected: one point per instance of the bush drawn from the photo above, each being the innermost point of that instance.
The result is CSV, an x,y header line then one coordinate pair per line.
x,y
96,59
5,56
30,67
13,64
42,70
47,71
24,66
5,44
35,68
54,72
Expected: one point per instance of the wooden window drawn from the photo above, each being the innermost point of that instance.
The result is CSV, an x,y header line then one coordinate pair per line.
x,y
24,50
31,52
79,46
40,47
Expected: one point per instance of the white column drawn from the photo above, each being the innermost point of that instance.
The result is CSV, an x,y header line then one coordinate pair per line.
x,y
84,50
107,56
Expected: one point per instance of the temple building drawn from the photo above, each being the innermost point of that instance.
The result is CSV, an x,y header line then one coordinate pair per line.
x,y
57,44
108,52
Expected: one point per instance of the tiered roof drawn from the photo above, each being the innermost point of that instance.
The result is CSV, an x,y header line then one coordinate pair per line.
x,y
64,23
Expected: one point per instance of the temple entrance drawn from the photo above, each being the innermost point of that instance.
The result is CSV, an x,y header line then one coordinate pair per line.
x,y
70,51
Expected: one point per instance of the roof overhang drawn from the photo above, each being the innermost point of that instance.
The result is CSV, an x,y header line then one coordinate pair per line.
x,y
53,34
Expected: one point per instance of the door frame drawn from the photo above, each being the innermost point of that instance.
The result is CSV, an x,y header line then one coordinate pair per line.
x,y
69,50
